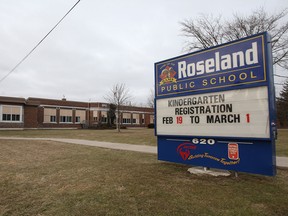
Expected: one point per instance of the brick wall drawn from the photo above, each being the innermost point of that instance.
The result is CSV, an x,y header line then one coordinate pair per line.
x,y
30,117
33,112
11,125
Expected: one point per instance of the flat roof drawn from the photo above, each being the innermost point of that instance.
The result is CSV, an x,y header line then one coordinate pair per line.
x,y
13,99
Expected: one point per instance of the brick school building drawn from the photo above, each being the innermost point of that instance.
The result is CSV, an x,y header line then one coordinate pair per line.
x,y
21,113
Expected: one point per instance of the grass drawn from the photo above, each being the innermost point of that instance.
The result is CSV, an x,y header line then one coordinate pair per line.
x,y
141,136
50,178
282,143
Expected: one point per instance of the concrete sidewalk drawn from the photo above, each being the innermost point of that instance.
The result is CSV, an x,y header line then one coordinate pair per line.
x,y
118,146
280,161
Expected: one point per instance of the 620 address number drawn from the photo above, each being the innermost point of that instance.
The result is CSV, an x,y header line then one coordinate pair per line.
x,y
202,141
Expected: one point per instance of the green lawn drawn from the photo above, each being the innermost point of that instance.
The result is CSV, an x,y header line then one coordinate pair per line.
x,y
50,178
141,136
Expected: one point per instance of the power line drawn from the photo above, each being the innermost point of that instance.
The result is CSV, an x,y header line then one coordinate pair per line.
x,y
26,56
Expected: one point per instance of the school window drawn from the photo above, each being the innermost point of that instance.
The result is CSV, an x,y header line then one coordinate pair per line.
x,y
95,115
136,118
104,118
11,113
126,118
80,116
66,119
143,119
152,119
49,115
126,121
66,115
53,119
6,117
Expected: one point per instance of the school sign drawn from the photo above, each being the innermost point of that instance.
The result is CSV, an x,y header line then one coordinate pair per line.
x,y
216,107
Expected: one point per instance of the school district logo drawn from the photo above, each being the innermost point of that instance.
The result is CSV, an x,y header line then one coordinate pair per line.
x,y
167,75
184,150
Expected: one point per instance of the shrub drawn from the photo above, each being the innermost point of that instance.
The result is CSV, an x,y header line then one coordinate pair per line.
x,y
151,125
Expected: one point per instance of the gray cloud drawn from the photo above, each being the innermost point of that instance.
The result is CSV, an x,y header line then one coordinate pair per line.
x,y
99,43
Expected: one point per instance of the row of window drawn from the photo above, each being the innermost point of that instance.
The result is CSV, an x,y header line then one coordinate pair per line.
x,y
50,116
10,117
134,121
15,114
126,119
66,115
11,113
65,119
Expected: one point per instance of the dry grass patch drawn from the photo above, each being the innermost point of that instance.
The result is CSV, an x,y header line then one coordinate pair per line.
x,y
140,136
50,178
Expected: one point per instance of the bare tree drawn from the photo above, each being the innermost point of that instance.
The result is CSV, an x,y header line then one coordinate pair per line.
x,y
204,32
150,99
207,31
119,95
282,106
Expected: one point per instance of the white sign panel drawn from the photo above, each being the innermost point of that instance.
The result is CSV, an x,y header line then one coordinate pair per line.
x,y
234,113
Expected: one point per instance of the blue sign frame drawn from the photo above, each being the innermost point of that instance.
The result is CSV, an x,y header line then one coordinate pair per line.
x,y
241,64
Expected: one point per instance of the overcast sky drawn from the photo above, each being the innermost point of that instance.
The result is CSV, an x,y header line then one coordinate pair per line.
x,y
99,43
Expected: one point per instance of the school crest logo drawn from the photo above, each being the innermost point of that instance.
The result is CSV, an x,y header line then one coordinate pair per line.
x,y
184,150
167,74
